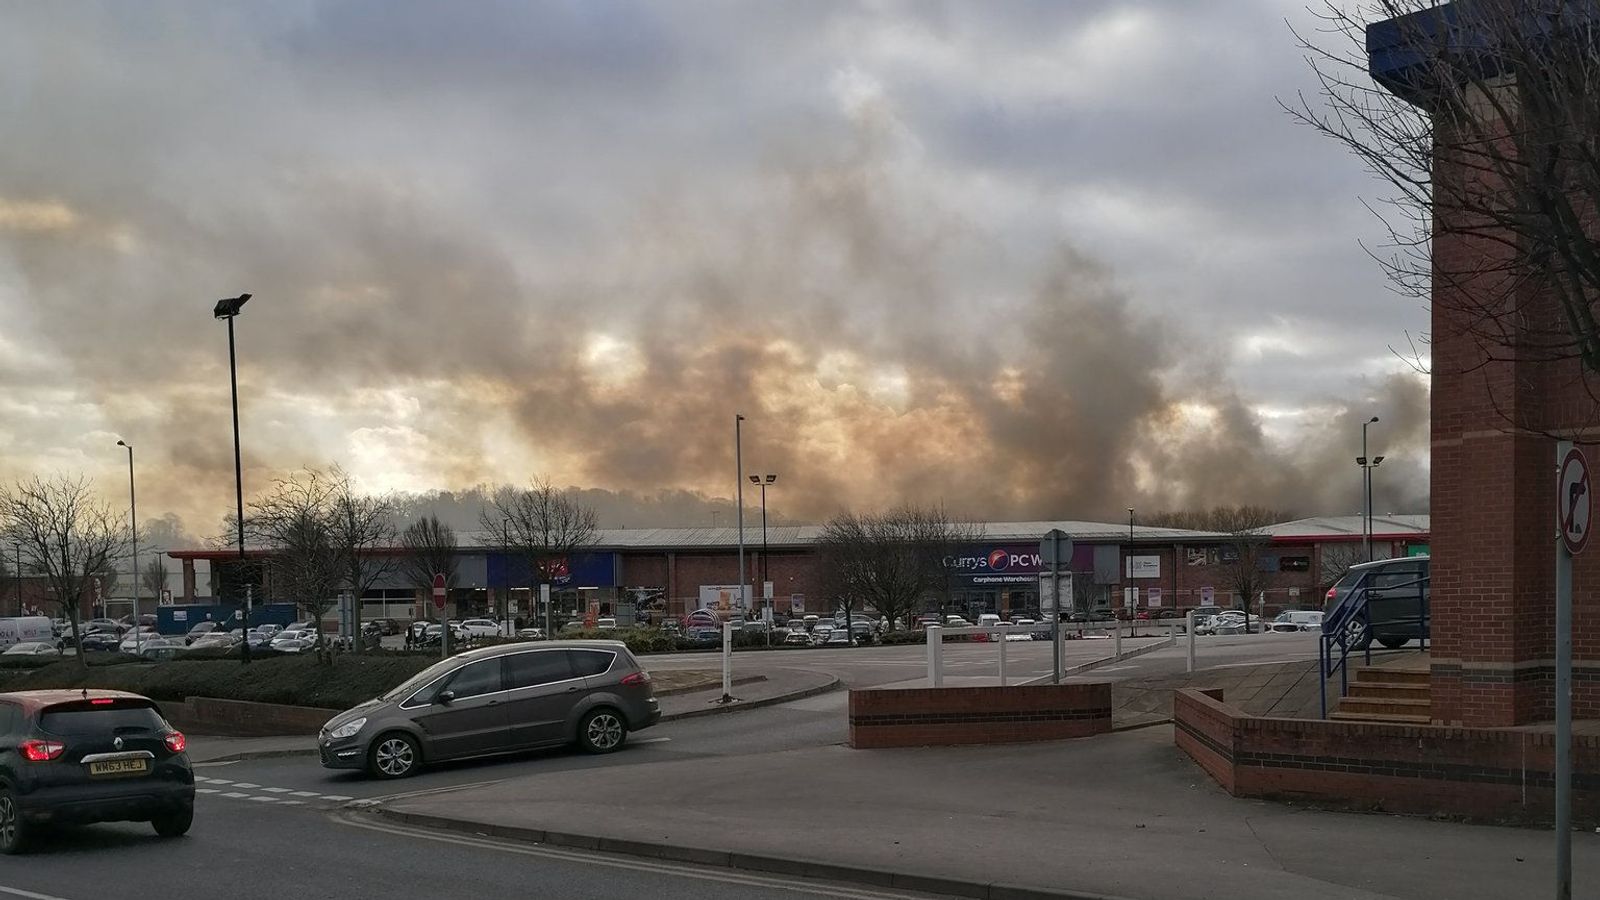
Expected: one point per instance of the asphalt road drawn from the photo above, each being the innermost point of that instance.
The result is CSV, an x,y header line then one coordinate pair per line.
x,y
286,827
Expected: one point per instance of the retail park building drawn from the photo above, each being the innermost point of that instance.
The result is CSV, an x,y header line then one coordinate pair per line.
x,y
670,571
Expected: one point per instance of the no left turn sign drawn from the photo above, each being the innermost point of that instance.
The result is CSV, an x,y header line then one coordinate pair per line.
x,y
1574,503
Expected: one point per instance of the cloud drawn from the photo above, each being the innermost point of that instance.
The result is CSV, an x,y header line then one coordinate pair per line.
x,y
1028,259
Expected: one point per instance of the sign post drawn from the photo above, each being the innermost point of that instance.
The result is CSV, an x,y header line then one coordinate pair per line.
x,y
1055,551
440,594
1574,508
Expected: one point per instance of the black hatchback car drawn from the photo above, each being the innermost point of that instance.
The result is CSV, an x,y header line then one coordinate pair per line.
x,y
1397,594
76,757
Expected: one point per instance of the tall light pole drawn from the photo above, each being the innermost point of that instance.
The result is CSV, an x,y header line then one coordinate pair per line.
x,y
1366,478
738,480
758,480
17,547
505,573
133,520
1133,611
228,308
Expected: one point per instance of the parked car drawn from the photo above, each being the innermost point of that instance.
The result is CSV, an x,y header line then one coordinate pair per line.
x,y
476,628
1023,636
104,625
1397,593
162,650
217,640
837,637
386,627
32,648
1203,616
1232,621
1291,621
797,638
294,645
591,693
200,630
132,640
606,624
100,641
705,637
81,756
531,634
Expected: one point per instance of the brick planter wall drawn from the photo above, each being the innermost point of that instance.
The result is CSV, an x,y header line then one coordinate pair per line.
x,y
925,717
1484,774
239,718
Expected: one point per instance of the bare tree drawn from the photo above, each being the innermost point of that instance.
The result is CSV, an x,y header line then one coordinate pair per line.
x,y
1247,566
153,575
429,549
66,534
295,520
942,542
362,531
1335,562
548,526
1485,126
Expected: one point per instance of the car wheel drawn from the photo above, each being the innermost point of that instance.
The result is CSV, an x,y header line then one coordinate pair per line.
x,y
1356,635
394,755
174,824
14,832
602,731
1394,643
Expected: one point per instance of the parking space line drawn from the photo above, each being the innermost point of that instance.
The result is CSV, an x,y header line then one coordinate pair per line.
x,y
265,799
19,892
304,794
235,795
276,790
245,785
207,790
337,798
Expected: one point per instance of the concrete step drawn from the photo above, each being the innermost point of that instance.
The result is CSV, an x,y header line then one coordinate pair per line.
x,y
1390,689
1385,706
1392,718
1393,676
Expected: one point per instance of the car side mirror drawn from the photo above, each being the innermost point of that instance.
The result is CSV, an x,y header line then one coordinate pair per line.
x,y
446,696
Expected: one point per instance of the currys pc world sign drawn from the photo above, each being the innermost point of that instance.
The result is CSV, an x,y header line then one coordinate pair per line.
x,y
997,564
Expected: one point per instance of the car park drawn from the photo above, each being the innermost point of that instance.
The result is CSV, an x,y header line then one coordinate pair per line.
x,y
589,693
132,640
83,756
1203,615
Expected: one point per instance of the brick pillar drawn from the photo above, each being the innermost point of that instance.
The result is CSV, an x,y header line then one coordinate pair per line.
x,y
188,581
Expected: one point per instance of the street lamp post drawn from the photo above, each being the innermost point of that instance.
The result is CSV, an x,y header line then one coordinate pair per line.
x,y
228,308
505,576
758,480
738,480
1133,611
1367,465
17,548
133,520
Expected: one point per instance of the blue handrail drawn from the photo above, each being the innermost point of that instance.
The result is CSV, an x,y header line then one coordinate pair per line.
x,y
1337,633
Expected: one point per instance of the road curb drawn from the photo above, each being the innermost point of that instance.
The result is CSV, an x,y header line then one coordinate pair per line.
x,y
752,862
692,689
247,755
833,684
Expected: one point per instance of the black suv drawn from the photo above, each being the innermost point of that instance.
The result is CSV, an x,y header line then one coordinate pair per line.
x,y
75,757
1397,595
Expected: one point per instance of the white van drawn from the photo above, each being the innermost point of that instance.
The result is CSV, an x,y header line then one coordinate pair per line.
x,y
18,629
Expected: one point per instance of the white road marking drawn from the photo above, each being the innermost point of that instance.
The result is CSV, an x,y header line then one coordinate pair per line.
x,y
336,798
19,892
235,795
245,785
215,780
615,862
220,762
303,794
265,799
659,740
276,790
207,790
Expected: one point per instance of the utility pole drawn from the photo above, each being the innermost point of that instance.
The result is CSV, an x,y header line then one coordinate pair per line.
x,y
738,480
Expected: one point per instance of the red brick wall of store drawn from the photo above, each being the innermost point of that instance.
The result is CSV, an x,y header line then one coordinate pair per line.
x,y
680,574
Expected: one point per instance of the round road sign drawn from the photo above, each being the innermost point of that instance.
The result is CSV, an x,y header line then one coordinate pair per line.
x,y
1574,506
438,592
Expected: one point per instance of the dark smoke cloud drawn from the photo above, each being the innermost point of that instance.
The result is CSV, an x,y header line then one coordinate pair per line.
x,y
477,264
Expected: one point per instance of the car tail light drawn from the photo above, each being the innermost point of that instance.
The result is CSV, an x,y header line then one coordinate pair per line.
x,y
102,701
176,741
637,678
41,751
1332,592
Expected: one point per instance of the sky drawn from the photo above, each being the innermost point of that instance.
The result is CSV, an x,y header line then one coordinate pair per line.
x,y
1030,260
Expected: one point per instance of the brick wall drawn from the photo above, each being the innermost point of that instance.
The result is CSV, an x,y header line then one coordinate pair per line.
x,y
986,715
1479,773
238,718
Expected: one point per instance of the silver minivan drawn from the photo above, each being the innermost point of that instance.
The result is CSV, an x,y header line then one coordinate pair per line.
x,y
500,699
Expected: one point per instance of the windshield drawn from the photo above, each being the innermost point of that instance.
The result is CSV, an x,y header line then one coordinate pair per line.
x,y
415,682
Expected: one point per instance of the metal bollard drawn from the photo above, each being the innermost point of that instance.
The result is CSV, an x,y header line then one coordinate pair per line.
x,y
727,662
1188,629
1116,647
1002,638
935,656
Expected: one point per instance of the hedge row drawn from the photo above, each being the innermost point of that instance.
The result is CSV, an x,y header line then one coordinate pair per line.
x,y
298,680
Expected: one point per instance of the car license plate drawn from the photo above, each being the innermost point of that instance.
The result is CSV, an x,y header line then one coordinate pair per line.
x,y
111,767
